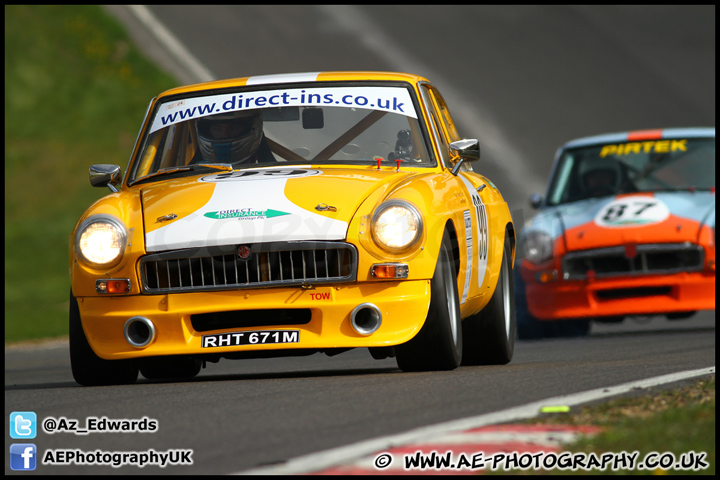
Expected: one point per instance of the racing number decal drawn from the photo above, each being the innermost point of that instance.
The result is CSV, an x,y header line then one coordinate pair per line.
x,y
632,211
483,236
482,232
482,222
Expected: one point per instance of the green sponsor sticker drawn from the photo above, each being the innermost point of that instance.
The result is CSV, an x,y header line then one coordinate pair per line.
x,y
245,214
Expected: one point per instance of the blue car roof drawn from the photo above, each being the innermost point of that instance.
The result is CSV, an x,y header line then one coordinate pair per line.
x,y
623,136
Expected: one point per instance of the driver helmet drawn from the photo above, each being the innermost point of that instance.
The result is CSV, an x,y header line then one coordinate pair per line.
x,y
230,137
608,169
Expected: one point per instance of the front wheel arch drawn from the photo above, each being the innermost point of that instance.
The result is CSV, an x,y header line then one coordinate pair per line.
x,y
438,345
88,369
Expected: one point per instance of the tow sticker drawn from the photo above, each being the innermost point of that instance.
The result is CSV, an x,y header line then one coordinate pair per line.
x,y
632,211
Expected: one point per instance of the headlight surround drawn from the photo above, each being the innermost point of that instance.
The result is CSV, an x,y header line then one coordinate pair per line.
x,y
100,241
396,225
538,247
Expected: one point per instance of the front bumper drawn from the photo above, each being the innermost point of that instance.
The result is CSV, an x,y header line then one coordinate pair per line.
x,y
403,305
682,292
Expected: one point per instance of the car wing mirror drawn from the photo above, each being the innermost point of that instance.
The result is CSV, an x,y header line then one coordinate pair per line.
x,y
102,175
467,150
536,200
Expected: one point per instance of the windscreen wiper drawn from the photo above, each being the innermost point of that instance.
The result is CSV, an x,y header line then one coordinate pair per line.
x,y
186,168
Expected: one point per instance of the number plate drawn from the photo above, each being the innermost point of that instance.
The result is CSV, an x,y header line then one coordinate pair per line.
x,y
259,337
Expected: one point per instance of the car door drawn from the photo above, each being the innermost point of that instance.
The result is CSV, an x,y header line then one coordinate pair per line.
x,y
472,231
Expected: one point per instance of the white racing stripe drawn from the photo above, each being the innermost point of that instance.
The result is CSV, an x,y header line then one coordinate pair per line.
x,y
349,453
245,212
283,78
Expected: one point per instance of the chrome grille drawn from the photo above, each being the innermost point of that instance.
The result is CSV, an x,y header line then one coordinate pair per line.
x,y
650,259
270,264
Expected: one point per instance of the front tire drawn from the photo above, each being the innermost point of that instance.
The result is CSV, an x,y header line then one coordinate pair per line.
x,y
531,328
87,368
439,344
490,333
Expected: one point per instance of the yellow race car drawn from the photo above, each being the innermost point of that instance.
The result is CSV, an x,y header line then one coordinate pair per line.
x,y
288,215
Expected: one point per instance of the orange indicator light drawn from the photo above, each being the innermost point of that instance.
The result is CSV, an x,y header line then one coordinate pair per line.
x,y
113,286
546,277
390,270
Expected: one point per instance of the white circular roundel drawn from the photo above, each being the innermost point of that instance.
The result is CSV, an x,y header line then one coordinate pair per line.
x,y
632,211
266,174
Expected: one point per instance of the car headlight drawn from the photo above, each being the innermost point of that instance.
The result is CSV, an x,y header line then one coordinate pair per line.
x,y
396,225
538,247
100,241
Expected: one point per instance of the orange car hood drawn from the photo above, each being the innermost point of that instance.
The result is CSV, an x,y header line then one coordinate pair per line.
x,y
675,217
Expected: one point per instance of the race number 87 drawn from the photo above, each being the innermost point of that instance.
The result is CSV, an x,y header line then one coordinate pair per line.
x,y
632,211
616,211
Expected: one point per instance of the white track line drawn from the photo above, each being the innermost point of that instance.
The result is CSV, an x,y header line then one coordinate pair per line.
x,y
348,453
352,20
169,41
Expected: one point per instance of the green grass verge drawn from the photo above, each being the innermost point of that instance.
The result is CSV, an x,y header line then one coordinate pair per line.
x,y
676,420
76,91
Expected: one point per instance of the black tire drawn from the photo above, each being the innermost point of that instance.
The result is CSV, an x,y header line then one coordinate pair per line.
x,y
610,320
530,327
680,315
156,368
490,334
87,368
439,344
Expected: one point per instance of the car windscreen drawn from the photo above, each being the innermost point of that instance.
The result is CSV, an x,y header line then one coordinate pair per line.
x,y
627,167
309,124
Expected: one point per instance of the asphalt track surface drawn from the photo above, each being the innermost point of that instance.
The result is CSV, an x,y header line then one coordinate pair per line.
x,y
521,79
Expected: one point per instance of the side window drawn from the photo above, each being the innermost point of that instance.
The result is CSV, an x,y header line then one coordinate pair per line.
x,y
447,121
447,132
435,120
448,124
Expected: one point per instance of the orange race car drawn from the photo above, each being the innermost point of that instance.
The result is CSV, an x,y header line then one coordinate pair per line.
x,y
626,228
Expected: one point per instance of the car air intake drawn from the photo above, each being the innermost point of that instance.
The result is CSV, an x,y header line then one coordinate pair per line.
x,y
650,259
233,267
637,292
203,322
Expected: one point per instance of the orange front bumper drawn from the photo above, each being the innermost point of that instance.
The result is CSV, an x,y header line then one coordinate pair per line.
x,y
661,294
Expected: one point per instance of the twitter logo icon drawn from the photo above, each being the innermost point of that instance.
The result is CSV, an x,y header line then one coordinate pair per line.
x,y
23,425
